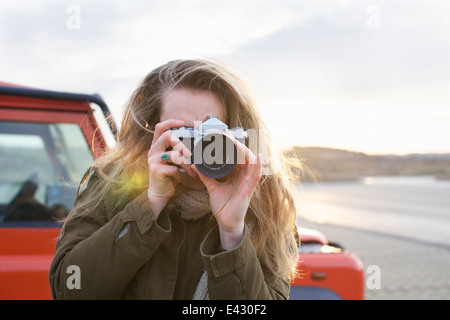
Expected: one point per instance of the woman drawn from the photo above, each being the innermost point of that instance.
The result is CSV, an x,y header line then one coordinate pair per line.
x,y
142,229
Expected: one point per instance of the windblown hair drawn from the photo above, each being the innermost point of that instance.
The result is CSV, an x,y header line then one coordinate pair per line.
x,y
124,168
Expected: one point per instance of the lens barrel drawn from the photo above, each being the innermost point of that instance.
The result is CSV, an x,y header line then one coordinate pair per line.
x,y
215,155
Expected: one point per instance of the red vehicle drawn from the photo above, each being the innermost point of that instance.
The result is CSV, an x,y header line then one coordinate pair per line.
x,y
327,271
47,141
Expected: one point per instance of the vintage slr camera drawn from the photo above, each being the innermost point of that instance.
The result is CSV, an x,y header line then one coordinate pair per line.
x,y
213,153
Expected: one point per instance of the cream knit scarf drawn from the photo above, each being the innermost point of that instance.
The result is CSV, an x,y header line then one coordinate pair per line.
x,y
193,205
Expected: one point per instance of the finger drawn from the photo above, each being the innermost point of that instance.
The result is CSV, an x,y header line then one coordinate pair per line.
x,y
256,174
210,183
173,157
163,126
250,181
161,171
245,155
178,145
246,160
169,171
188,168
177,158
166,140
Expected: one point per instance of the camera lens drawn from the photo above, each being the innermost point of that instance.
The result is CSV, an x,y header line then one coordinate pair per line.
x,y
215,155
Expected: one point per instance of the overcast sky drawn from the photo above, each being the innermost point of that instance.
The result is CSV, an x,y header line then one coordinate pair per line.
x,y
371,76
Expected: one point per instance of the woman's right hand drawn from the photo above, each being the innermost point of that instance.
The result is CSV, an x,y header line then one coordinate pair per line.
x,y
163,176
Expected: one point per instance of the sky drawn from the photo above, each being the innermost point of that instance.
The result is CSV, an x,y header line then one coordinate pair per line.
x,y
370,76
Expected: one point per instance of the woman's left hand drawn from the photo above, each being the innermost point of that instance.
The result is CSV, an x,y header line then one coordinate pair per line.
x,y
230,199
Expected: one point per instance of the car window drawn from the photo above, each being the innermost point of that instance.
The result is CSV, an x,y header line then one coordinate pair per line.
x,y
41,167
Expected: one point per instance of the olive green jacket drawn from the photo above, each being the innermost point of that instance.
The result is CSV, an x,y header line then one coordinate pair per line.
x,y
122,252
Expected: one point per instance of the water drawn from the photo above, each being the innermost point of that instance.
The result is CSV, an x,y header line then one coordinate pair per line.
x,y
415,207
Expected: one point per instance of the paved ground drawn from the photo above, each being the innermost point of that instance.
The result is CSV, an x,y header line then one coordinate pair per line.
x,y
410,269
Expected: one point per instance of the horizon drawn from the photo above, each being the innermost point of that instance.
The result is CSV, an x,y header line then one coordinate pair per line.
x,y
369,154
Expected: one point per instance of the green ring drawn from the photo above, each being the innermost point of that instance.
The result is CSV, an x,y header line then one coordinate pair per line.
x,y
165,156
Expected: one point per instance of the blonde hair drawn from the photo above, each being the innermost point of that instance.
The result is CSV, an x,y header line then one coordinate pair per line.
x,y
124,169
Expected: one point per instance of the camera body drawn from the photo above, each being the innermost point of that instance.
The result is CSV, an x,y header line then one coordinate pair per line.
x,y
213,153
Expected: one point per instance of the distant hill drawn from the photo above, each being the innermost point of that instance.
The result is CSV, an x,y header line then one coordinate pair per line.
x,y
327,164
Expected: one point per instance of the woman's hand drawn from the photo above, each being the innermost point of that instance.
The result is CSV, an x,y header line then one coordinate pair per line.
x,y
163,175
230,200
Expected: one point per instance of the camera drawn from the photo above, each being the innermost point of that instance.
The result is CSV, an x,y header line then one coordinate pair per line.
x,y
213,153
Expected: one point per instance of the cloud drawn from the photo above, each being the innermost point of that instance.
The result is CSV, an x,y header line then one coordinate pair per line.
x,y
334,55
116,44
